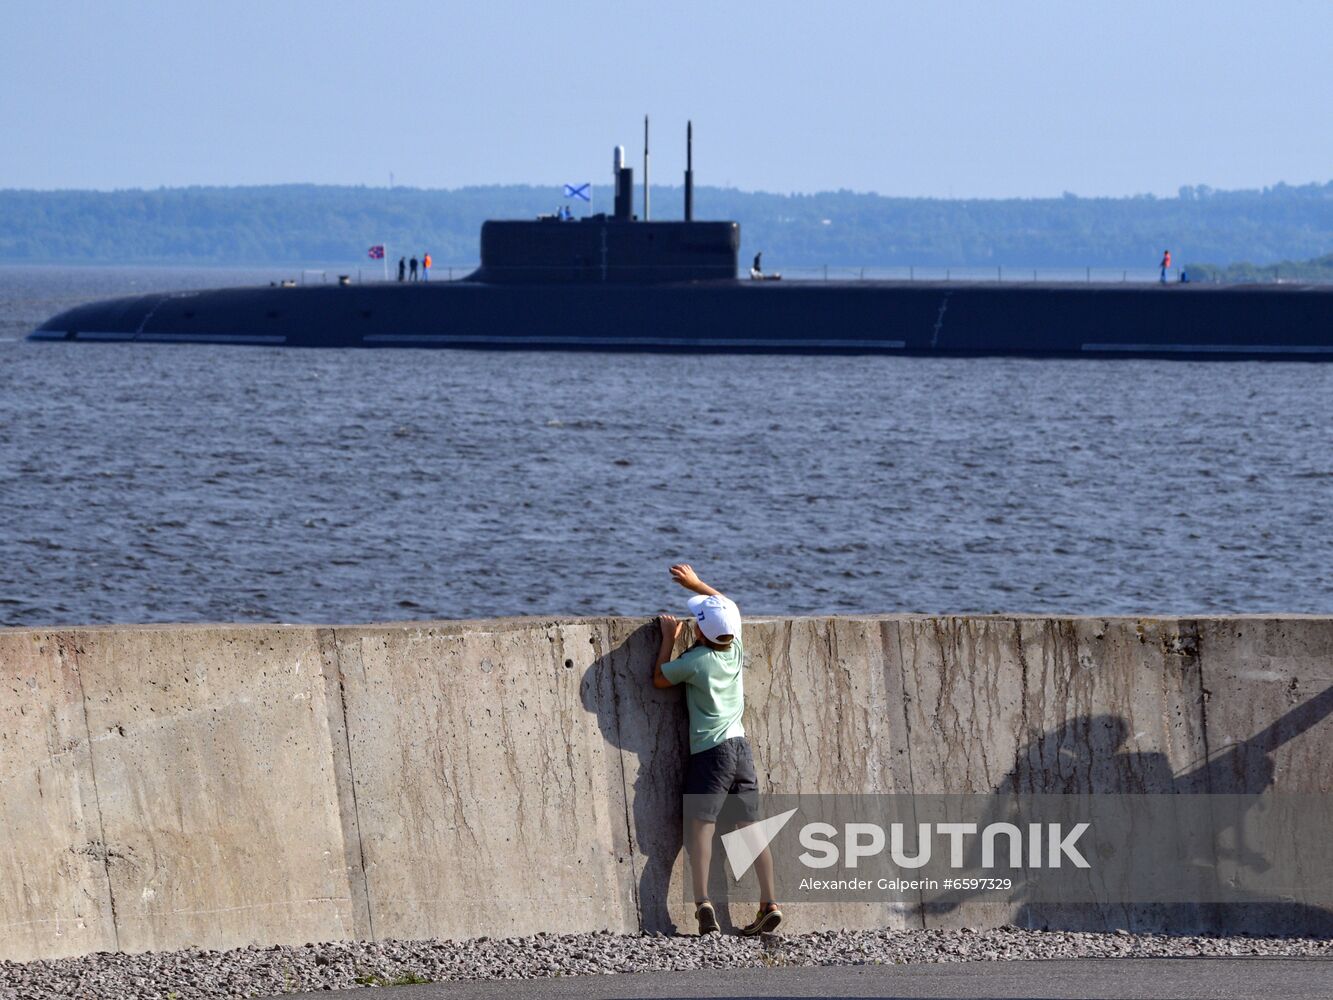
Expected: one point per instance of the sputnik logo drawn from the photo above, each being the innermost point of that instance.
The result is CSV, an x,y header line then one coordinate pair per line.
x,y
748,842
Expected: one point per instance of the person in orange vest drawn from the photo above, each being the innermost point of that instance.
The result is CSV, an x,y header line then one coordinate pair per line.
x,y
425,266
1166,264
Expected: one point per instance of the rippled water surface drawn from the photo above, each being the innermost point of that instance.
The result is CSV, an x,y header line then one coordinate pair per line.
x,y
185,483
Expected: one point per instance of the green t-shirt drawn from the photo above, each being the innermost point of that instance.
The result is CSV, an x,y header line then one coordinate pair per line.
x,y
714,692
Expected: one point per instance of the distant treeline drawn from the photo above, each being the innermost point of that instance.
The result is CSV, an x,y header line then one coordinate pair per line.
x,y
308,223
1319,269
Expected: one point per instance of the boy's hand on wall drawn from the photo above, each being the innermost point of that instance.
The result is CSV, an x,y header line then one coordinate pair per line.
x,y
670,627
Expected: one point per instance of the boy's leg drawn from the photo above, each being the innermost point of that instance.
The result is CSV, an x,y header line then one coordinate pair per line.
x,y
763,871
701,855
706,780
746,788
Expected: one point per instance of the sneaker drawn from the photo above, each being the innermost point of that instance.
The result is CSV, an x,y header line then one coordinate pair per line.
x,y
765,922
707,918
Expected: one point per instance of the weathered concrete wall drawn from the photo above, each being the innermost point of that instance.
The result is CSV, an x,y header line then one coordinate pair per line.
x,y
54,896
486,795
222,785
215,778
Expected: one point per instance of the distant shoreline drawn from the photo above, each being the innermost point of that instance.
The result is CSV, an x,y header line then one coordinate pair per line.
x,y
293,225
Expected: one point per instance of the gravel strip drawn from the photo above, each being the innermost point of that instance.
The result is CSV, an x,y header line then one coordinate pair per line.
x,y
259,972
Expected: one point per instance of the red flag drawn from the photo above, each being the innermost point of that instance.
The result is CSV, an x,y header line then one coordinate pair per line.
x,y
377,252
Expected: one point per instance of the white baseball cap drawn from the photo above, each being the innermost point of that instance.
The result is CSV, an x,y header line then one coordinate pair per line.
x,y
716,615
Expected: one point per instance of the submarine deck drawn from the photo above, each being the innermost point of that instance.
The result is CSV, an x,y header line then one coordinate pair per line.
x,y
790,316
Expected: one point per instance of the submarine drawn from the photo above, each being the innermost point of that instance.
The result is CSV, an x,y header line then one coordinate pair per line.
x,y
618,282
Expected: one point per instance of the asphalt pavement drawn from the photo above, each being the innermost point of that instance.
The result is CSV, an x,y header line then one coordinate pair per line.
x,y
1075,979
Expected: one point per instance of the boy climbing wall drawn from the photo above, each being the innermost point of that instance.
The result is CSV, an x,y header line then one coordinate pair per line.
x,y
721,761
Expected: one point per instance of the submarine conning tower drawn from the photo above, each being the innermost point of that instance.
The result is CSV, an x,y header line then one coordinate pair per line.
x,y
619,248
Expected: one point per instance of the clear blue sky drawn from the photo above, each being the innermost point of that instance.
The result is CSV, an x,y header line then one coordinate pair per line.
x,y
922,98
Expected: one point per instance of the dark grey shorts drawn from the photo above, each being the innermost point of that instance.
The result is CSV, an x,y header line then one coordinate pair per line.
x,y
724,770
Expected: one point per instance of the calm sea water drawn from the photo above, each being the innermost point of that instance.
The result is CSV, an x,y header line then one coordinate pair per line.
x,y
190,483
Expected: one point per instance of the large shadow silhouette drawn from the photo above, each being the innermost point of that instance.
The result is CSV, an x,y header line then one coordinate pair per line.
x,y
1086,755
1083,755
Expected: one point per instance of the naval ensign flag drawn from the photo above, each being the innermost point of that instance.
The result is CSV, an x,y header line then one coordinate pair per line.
x,y
377,253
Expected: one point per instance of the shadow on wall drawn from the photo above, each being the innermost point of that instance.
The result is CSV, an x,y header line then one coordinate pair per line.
x,y
1085,755
647,727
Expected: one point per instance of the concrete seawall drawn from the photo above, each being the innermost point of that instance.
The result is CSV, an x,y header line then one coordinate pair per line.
x,y
224,785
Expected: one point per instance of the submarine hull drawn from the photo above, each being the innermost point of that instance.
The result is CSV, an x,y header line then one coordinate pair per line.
x,y
734,316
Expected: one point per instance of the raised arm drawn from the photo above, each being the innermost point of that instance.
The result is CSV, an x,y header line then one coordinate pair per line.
x,y
684,574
